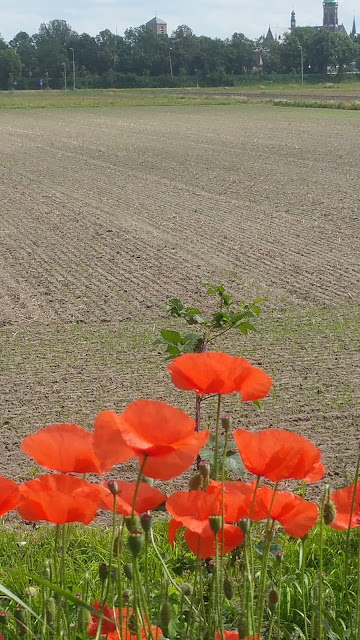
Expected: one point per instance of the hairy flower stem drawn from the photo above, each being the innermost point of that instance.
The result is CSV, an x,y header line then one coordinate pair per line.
x,y
145,609
106,591
248,597
265,561
279,605
218,591
119,566
216,453
358,590
223,467
321,545
193,595
303,590
138,482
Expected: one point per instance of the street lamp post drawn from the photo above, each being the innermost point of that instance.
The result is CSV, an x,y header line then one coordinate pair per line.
x,y
73,66
170,61
65,79
302,63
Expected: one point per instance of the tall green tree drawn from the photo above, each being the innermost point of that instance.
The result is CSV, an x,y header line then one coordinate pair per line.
x,y
24,45
345,50
10,68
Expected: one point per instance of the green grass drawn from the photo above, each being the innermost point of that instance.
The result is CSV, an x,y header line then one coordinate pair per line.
x,y
25,553
293,96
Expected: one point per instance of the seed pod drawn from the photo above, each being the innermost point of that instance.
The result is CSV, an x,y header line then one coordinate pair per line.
x,y
132,523
146,521
131,623
241,626
329,512
245,525
128,570
165,616
215,523
136,542
126,597
196,482
228,588
103,571
4,617
114,574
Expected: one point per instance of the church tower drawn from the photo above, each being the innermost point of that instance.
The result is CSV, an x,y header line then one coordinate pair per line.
x,y
330,21
353,30
293,20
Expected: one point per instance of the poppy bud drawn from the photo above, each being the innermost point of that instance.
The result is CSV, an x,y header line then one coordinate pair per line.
x,y
186,589
204,468
245,525
241,627
273,597
83,619
118,546
215,523
114,574
126,595
113,487
165,616
50,608
146,521
226,421
20,617
195,482
131,624
136,542
103,571
4,617
128,570
212,566
279,557
132,523
228,588
329,512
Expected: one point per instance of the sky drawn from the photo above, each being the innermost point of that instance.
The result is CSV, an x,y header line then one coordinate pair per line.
x,y
214,18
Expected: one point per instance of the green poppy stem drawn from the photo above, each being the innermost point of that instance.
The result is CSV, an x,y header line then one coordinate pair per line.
x,y
216,453
321,545
303,590
138,482
265,561
108,580
347,544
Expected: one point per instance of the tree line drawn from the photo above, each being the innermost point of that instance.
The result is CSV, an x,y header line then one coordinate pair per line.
x,y
142,58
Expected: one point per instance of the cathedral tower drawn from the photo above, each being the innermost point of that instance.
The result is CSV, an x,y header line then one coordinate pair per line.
x,y
330,21
293,20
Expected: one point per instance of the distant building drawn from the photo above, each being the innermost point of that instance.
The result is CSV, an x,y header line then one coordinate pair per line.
x,y
353,30
269,36
330,18
157,25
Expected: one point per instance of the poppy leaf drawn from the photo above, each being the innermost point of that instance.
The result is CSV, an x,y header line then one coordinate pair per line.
x,y
171,336
234,464
245,327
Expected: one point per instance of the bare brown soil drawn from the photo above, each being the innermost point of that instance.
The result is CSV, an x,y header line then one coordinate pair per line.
x,y
260,95
107,213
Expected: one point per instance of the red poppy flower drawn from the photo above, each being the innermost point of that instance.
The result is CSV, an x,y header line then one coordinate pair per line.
x,y
277,455
106,626
58,499
213,372
192,509
63,447
147,497
9,495
164,435
297,516
108,629
109,443
342,500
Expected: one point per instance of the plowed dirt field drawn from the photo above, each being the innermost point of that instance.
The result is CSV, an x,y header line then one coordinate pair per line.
x,y
106,213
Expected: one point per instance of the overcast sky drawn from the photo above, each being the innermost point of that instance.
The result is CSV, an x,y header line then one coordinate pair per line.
x,y
215,18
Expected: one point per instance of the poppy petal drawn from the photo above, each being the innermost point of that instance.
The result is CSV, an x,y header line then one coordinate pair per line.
x,y
343,500
147,497
174,526
296,516
204,545
58,499
9,495
193,508
255,385
63,447
148,423
109,443
174,463
277,454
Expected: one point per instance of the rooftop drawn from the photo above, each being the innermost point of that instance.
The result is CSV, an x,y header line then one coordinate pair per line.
x,y
155,21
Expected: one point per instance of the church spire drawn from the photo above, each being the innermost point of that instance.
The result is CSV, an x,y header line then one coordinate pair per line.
x,y
353,30
293,20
